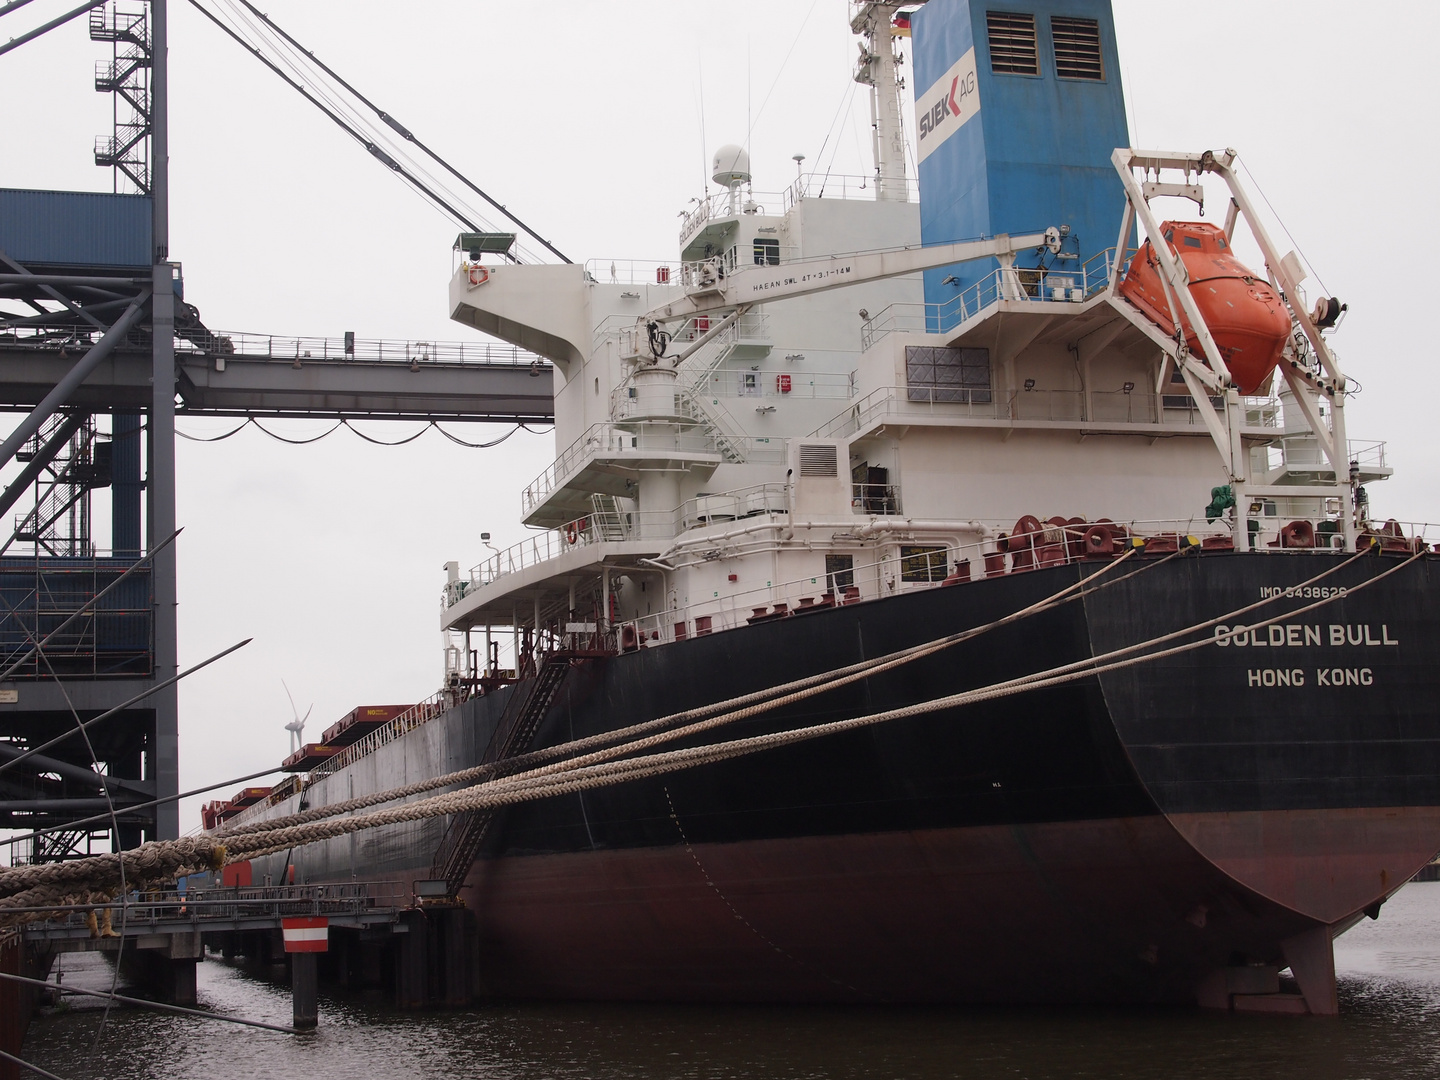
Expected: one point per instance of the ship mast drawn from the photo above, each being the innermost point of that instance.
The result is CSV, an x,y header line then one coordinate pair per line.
x,y
877,69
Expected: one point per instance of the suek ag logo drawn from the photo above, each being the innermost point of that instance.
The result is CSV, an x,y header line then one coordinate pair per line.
x,y
951,104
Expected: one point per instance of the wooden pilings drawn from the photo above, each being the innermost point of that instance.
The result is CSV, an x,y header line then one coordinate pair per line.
x,y
437,958
427,959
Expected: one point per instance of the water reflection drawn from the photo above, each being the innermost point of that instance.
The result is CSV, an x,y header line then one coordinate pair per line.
x,y
1389,998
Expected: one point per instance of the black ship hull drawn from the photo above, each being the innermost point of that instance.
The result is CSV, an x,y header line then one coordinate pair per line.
x,y
1175,830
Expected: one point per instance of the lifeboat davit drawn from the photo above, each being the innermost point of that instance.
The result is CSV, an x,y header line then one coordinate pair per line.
x,y
1246,317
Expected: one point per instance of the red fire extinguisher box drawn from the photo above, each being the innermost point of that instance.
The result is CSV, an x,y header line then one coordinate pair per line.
x,y
782,383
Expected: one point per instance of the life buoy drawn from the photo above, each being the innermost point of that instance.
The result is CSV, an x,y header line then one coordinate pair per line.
x,y
574,529
479,275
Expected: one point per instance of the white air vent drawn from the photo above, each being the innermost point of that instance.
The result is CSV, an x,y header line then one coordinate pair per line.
x,y
1077,48
819,461
1013,46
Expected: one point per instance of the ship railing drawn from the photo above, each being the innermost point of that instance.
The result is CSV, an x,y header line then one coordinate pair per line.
x,y
1301,453
712,508
411,718
598,526
752,328
633,272
199,905
619,525
288,787
788,385
1063,284
1367,454
1137,405
727,204
698,271
875,499
923,565
642,438
421,713
816,185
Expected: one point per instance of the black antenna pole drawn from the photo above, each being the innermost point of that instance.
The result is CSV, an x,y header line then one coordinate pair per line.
x,y
401,130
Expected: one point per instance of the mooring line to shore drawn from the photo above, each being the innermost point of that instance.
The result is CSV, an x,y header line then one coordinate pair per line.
x,y
81,728
22,1063
809,687
769,698
526,787
53,883
159,1006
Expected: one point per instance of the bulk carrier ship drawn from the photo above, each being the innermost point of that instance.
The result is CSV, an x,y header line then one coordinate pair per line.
x,y
1015,412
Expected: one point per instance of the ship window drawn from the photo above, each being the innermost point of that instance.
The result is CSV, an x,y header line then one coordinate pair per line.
x,y
839,572
1077,48
1013,48
1221,241
819,460
922,563
946,374
767,251
1192,241
749,384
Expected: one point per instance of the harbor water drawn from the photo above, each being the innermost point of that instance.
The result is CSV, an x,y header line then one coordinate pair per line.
x,y
1389,1000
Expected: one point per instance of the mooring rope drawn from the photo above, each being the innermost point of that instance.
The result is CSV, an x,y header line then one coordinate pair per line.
x,y
531,786
769,698
61,883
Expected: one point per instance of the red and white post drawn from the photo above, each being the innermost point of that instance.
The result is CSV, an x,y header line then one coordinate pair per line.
x,y
305,936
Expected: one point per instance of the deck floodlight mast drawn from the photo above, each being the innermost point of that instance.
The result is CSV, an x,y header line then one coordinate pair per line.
x,y
1210,375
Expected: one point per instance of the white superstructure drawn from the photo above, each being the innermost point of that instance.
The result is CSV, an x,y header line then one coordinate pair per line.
x,y
777,419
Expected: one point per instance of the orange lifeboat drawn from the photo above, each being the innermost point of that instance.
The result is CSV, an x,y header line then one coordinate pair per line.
x,y
1247,318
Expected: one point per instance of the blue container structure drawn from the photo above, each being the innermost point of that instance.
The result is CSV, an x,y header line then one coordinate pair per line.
x,y
76,229
112,640
1018,107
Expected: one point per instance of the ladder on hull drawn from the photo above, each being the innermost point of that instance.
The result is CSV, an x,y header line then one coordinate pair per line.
x,y
517,726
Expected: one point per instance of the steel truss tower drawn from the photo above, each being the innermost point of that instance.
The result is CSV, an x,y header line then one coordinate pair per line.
x,y
94,283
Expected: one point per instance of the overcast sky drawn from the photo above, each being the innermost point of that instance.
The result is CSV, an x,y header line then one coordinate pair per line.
x,y
586,119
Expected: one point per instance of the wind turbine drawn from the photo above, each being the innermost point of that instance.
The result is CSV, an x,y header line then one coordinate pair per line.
x,y
296,727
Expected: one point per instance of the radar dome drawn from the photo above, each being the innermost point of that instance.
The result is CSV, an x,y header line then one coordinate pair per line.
x,y
731,166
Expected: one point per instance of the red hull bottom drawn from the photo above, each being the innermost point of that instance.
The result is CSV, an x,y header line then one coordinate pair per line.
x,y
1110,910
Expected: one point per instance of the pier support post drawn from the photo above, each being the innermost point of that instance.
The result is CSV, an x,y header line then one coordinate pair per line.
x,y
179,988
412,982
456,955
181,955
304,989
371,964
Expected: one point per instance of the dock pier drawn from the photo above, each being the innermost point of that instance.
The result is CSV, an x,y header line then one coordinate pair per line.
x,y
353,935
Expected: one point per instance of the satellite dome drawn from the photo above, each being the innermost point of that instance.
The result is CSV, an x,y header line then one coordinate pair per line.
x,y
731,166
